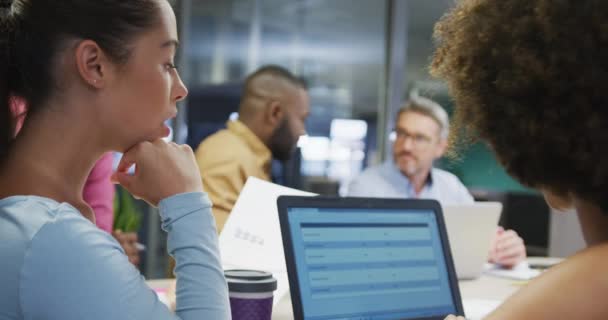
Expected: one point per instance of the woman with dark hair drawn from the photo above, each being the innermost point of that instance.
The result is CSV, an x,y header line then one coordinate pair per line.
x,y
530,77
97,76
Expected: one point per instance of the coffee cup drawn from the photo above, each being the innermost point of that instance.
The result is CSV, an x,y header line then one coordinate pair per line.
x,y
251,294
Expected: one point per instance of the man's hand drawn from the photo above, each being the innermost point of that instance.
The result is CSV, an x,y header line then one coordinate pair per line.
x,y
507,248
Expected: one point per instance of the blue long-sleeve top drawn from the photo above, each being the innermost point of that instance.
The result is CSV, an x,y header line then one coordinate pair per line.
x,y
55,264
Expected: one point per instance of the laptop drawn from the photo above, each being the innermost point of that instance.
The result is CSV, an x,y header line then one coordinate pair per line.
x,y
364,258
471,229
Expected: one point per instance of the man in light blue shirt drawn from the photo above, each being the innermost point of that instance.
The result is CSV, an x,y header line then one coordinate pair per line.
x,y
387,181
420,138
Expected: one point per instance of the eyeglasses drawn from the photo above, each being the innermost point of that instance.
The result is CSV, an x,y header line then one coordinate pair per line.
x,y
418,140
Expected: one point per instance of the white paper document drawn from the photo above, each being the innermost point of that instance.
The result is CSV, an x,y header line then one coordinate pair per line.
x,y
251,238
522,271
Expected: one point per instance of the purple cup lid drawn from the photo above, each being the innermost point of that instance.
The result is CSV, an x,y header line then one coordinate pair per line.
x,y
250,281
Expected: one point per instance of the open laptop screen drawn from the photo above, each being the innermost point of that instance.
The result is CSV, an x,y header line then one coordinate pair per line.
x,y
369,263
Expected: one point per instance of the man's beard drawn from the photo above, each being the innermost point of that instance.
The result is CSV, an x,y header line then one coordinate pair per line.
x,y
407,169
282,143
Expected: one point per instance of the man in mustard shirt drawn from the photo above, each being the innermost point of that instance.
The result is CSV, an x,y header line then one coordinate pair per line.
x,y
272,112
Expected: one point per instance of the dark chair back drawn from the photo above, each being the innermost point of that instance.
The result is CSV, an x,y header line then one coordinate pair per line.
x,y
209,108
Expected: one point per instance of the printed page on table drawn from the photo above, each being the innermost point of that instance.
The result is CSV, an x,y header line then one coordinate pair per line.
x,y
251,237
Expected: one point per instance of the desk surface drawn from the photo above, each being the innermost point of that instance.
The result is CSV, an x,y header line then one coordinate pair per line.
x,y
483,288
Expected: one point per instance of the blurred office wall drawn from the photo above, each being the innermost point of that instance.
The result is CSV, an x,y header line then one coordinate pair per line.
x,y
338,46
360,58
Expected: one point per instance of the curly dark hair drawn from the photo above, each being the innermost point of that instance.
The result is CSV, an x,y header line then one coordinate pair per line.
x,y
530,77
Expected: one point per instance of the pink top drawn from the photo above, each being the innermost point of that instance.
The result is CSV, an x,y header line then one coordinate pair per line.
x,y
98,190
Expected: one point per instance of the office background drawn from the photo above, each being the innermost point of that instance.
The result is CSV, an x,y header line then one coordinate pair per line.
x,y
360,58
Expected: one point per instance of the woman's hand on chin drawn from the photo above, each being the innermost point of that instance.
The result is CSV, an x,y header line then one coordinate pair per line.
x,y
162,169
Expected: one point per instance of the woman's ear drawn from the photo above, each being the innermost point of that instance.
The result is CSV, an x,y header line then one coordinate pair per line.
x,y
560,202
91,63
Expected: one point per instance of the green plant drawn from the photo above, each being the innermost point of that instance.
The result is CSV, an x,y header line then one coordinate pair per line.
x,y
127,216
